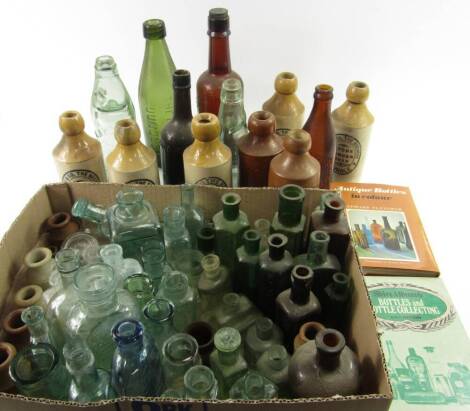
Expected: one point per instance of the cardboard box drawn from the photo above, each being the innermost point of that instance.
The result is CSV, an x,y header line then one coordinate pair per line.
x,y
361,337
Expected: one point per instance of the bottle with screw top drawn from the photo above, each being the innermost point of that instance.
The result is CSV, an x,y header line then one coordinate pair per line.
x,y
78,157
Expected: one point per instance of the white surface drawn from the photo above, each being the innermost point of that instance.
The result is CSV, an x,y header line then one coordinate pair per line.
x,y
413,54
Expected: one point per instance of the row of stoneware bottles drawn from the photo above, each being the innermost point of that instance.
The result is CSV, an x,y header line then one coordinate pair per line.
x,y
332,145
116,304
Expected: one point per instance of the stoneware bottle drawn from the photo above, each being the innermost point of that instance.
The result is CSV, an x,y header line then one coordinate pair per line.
x,y
59,226
295,165
353,124
284,103
131,162
39,263
207,161
257,149
78,157
7,353
324,367
16,330
29,295
307,332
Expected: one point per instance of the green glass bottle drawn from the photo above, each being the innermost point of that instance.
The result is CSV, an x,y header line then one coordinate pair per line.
x,y
176,234
235,311
140,286
226,360
153,259
156,83
263,226
289,219
274,365
229,224
206,239
253,386
259,337
200,383
193,214
336,303
158,320
247,267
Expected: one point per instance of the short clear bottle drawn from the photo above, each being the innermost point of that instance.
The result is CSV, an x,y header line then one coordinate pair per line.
x,y
158,320
253,386
200,383
39,330
140,286
260,337
274,365
194,217
247,267
175,233
236,311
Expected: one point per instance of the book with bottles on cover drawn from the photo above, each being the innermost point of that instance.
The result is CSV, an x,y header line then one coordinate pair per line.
x,y
386,230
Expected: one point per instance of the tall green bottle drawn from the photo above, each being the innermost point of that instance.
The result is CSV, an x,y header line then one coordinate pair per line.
x,y
155,85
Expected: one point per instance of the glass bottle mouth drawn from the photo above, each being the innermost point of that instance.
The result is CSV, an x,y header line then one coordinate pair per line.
x,y
78,356
112,254
199,378
154,29
180,348
292,192
211,264
232,90
262,225
277,241
79,208
323,92
231,199
176,282
174,217
159,310
67,260
139,285
95,282
227,339
129,198
127,331
231,301
254,386
302,273
181,79
105,63
341,281
320,237
34,363
277,356
32,316
264,328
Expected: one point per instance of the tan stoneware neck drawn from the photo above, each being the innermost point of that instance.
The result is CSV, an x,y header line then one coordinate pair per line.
x,y
205,127
127,132
286,83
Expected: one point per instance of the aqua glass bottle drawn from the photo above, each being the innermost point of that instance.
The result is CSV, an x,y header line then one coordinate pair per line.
x,y
180,353
206,239
158,320
235,311
89,212
289,219
156,84
110,102
189,262
37,372
101,305
259,337
274,365
38,327
200,383
175,233
141,287
229,224
154,261
194,216
88,382
232,119
253,386
112,254
176,289
247,267
226,360
263,226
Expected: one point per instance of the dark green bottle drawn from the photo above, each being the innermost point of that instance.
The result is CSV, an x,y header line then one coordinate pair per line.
x,y
206,239
336,302
247,268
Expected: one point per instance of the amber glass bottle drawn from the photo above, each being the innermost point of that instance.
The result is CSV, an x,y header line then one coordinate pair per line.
x,y
210,82
320,126
257,149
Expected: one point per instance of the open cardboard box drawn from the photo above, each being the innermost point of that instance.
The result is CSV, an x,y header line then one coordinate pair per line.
x,y
361,336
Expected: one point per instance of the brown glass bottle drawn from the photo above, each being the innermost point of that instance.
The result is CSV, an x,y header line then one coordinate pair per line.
x,y
210,82
257,149
295,165
320,126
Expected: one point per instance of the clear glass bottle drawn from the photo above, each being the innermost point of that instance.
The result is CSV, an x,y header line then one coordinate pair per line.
x,y
189,262
263,226
200,383
175,233
110,102
226,360
141,287
39,330
87,246
259,337
273,364
206,239
112,254
158,320
230,224
101,305
153,259
232,119
247,267
88,382
194,216
253,386
235,311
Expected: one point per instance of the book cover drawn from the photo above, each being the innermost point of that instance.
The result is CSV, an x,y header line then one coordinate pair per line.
x,y
386,230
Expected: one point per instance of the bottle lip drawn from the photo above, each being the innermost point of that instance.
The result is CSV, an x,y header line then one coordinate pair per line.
x,y
334,203
138,284
112,250
251,235
309,330
95,282
302,273
205,127
206,232
341,279
181,79
227,339
210,263
330,341
38,257
28,353
105,63
154,29
286,83
8,353
297,141
190,351
127,331
59,220
129,197
231,199
67,260
357,92
262,123
277,240
71,123
204,384
13,324
254,385
176,282
174,216
320,237
218,20
323,92
32,315
159,310
127,132
292,192
27,295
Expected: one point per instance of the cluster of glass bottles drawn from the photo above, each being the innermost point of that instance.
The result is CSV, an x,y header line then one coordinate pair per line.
x,y
186,308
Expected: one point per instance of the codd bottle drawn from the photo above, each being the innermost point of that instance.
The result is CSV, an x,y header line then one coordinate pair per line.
x,y
112,254
289,219
155,89
88,382
141,287
259,337
235,311
175,233
273,364
194,217
253,386
200,383
230,223
38,327
232,119
176,135
226,360
110,102
274,276
158,320
337,301
247,267
209,84
137,368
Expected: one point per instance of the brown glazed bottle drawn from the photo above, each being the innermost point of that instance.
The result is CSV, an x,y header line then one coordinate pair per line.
x,y
16,330
307,333
295,165
59,226
210,82
320,127
257,149
7,353
324,367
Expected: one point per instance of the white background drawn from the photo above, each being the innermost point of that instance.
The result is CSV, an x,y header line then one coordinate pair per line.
x,y
414,54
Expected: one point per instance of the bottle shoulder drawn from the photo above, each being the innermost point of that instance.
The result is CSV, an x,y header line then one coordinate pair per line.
x,y
284,105
260,147
352,115
279,267
131,158
177,132
234,226
75,149
207,155
295,167
296,311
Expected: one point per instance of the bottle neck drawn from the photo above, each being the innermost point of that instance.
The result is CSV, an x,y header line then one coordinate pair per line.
x,y
155,49
276,253
131,348
317,251
300,292
67,278
228,358
332,215
219,53
230,211
328,360
182,104
386,223
321,109
86,379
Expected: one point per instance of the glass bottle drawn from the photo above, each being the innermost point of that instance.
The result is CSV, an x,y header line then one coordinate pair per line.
x,y
180,353
78,157
153,258
259,337
204,335
320,127
209,84
110,102
207,160
37,372
206,239
297,305
336,304
88,382
136,369
390,236
274,276
140,286
112,254
158,320
86,245
176,289
95,214
175,233
229,224
226,360
189,262
99,308
257,148
200,383
419,369
194,217
295,165
289,219
263,226
130,161
253,386
307,332
155,84
235,311
376,230
332,220
273,364
232,119
176,135
247,267
285,104
39,330
352,122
